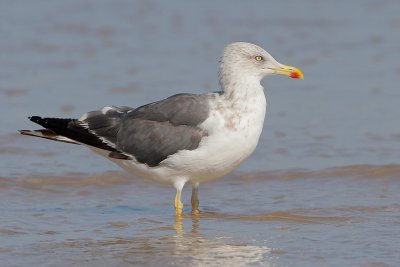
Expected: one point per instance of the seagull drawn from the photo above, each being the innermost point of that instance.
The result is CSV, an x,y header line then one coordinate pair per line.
x,y
184,138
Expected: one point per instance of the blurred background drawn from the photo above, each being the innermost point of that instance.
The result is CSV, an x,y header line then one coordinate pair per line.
x,y
63,58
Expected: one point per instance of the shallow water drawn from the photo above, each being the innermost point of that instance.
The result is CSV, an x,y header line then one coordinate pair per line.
x,y
322,188
337,217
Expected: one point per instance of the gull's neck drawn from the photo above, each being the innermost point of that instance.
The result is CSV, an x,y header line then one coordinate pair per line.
x,y
241,87
244,109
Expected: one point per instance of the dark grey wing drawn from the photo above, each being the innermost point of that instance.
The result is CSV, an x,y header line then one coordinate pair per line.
x,y
151,142
149,133
180,109
105,123
152,132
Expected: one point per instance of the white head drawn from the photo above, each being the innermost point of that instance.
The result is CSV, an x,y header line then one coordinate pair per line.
x,y
247,61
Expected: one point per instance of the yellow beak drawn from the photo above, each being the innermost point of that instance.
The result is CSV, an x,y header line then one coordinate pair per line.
x,y
290,71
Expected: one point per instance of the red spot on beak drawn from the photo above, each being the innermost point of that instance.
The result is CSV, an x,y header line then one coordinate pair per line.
x,y
295,75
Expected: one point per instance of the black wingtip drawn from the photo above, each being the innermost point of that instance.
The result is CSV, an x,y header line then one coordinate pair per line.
x,y
35,118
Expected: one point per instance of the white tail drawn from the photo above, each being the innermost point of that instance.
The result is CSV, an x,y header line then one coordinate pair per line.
x,y
48,134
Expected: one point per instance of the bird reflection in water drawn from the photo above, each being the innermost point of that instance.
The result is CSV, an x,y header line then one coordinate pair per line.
x,y
194,249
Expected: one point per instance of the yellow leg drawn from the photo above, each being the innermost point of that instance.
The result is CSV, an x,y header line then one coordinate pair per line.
x,y
178,203
195,199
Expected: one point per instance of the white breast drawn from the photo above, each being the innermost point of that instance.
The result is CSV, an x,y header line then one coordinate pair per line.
x,y
233,130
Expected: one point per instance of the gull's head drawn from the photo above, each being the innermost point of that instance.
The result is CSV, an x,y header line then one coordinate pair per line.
x,y
250,61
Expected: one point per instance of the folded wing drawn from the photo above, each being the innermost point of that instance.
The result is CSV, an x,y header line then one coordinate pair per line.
x,y
149,133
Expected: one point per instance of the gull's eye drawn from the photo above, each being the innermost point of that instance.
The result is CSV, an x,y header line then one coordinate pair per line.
x,y
259,58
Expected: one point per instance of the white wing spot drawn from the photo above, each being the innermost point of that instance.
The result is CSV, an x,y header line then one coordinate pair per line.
x,y
106,109
84,117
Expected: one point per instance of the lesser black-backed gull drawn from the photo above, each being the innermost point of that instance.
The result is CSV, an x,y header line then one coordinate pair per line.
x,y
186,137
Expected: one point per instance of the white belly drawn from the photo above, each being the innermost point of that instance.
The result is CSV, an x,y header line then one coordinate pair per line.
x,y
232,138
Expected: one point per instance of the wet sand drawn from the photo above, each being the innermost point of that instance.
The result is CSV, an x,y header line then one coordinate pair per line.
x,y
322,188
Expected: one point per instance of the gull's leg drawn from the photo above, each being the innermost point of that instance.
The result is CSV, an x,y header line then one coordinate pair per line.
x,y
178,203
195,198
